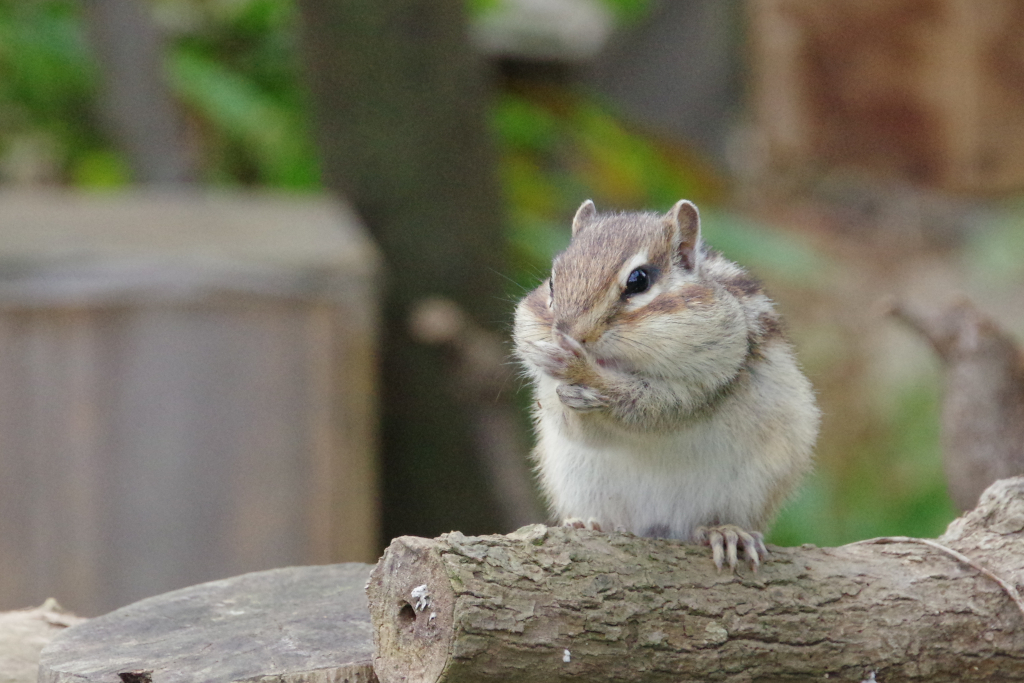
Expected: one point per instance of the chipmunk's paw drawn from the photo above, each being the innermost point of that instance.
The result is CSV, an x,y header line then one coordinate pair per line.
x,y
551,358
581,397
725,541
577,523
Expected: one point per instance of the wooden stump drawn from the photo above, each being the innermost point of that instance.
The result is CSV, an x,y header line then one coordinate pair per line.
x,y
307,624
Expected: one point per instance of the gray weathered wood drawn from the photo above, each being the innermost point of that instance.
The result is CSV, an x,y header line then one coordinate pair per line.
x,y
545,604
292,625
186,392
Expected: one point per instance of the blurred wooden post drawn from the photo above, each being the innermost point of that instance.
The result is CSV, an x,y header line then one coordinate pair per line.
x,y
931,91
187,392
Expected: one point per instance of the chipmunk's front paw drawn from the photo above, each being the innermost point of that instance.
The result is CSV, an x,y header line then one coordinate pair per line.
x,y
552,359
724,541
581,397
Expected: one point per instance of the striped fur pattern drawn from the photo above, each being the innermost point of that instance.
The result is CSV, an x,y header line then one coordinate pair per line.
x,y
669,409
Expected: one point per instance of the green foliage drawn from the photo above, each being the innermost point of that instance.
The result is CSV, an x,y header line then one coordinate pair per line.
x,y
561,148
232,64
628,11
253,127
235,66
891,483
995,247
624,11
478,7
782,256
100,169
558,151
47,81
43,55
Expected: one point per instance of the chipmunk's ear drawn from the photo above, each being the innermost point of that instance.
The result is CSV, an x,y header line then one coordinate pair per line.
x,y
684,221
585,215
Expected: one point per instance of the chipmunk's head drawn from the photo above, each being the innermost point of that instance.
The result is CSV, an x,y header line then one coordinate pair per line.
x,y
639,293
620,263
629,290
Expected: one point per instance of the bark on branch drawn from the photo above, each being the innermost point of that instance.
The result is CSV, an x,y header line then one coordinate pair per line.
x,y
545,604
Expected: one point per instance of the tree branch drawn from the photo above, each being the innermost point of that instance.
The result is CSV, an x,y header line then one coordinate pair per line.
x,y
546,603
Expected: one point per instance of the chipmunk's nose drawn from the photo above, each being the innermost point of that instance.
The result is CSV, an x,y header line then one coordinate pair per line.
x,y
570,336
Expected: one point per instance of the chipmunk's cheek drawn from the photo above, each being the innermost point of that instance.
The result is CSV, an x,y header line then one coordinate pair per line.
x,y
611,363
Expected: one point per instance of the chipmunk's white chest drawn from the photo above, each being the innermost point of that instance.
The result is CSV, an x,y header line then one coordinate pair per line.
x,y
654,484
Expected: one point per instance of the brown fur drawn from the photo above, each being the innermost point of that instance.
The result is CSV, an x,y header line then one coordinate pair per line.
x,y
579,288
690,296
743,285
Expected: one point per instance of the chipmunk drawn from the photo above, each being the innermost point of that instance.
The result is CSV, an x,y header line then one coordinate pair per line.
x,y
668,401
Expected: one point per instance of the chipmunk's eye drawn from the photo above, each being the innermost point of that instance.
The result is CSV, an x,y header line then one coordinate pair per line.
x,y
638,281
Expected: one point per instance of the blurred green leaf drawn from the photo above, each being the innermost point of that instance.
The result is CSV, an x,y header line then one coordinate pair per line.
x,y
995,248
101,170
628,11
763,248
47,79
626,169
624,11
269,130
892,485
44,60
523,125
478,7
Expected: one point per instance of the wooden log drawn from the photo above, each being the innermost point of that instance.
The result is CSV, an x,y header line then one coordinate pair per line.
x,y
544,604
292,625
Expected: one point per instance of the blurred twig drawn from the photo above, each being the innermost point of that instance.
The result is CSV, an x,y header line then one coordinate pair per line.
x,y
137,107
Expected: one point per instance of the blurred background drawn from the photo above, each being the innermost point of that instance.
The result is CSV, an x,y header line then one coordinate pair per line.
x,y
258,258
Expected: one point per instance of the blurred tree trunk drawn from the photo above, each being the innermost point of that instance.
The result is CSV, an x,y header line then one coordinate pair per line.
x,y
399,102
136,104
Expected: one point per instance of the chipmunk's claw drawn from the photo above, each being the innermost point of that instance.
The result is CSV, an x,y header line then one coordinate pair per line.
x,y
725,541
580,397
577,523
